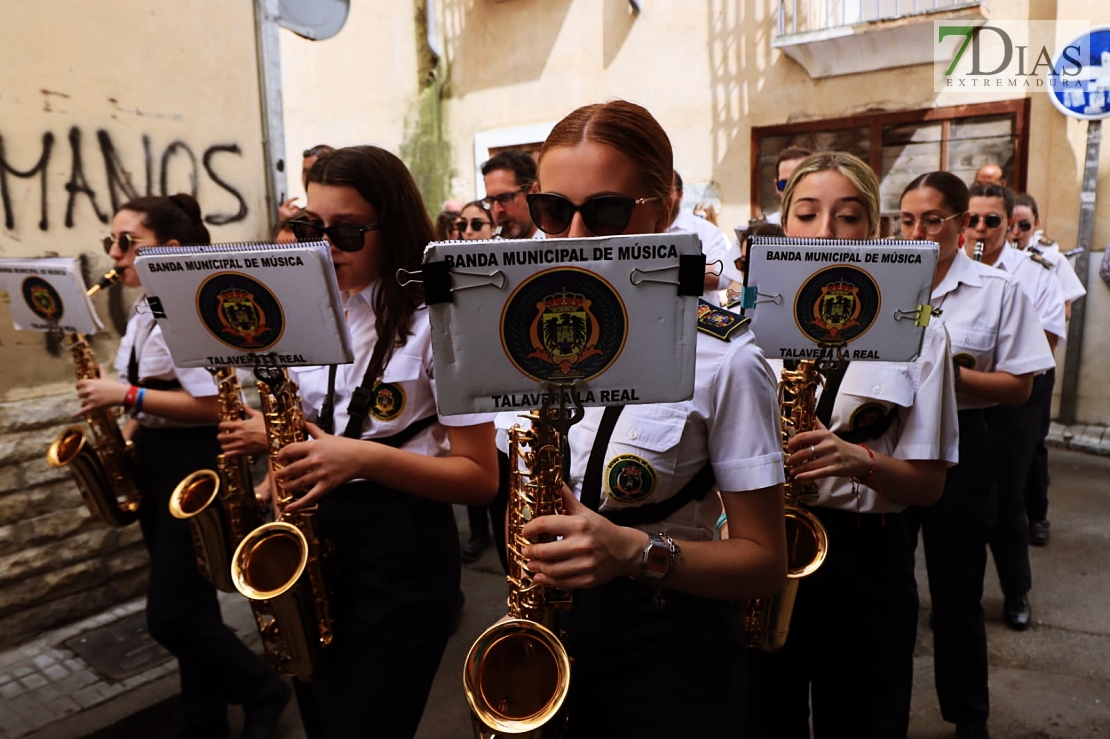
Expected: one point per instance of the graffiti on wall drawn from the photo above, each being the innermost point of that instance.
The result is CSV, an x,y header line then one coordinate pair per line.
x,y
153,177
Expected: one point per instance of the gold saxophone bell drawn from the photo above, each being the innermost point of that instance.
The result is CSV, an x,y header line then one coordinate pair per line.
x,y
194,500
104,467
517,673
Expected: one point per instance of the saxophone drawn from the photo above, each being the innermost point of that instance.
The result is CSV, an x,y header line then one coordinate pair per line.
x,y
977,254
517,673
104,470
767,620
279,565
219,504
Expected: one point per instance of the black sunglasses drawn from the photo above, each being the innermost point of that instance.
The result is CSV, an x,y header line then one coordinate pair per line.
x,y
343,236
125,241
476,224
504,198
605,215
1024,226
993,220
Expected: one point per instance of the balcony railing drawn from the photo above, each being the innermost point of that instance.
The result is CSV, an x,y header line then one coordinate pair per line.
x,y
806,16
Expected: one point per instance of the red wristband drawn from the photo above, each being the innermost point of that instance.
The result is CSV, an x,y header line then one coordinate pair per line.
x,y
129,399
870,477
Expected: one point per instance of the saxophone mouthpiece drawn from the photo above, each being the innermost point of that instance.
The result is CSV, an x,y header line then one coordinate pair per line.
x,y
110,277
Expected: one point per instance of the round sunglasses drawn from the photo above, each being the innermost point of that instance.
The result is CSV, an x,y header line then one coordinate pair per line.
x,y
125,241
343,236
1024,226
993,220
604,215
476,224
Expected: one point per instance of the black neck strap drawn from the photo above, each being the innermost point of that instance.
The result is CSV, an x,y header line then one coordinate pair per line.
x,y
591,483
326,421
828,395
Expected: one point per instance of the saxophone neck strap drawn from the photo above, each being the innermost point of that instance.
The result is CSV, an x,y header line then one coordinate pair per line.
x,y
828,395
326,421
400,438
591,483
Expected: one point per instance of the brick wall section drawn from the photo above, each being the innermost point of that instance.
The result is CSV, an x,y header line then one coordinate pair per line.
x,y
57,564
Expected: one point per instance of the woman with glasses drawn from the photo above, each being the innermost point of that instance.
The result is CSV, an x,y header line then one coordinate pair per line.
x,y
173,415
655,632
475,222
383,473
997,345
882,443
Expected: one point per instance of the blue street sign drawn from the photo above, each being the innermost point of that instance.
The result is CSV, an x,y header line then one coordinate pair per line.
x,y
1081,79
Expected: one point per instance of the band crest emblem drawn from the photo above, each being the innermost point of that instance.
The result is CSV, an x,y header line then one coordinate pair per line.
x,y
867,415
43,300
718,321
562,325
240,311
630,479
837,305
388,401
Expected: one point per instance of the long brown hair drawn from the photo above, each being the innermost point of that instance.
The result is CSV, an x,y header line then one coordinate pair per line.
x,y
385,182
173,217
630,129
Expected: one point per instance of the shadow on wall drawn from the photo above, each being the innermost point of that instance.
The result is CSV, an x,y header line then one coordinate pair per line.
x,y
619,19
494,44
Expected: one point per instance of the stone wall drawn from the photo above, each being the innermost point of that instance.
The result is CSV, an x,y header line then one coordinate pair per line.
x,y
57,563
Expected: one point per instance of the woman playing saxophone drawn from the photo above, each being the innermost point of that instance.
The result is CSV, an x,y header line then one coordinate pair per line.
x,y
380,465
173,427
654,594
889,437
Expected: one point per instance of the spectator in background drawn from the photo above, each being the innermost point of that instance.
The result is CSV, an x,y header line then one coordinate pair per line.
x,y
475,222
288,210
787,161
446,229
989,174
708,211
508,176
282,232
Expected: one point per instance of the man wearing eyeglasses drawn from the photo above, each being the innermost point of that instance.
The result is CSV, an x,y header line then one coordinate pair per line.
x,y
508,176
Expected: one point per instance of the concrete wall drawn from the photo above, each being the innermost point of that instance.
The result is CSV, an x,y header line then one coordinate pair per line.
x,y
102,102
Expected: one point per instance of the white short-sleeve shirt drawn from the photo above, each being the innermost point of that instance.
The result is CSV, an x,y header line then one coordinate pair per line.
x,y
922,396
1070,283
732,422
991,323
1041,285
405,394
155,363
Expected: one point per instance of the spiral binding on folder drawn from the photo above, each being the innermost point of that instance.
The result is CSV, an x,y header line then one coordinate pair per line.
x,y
237,246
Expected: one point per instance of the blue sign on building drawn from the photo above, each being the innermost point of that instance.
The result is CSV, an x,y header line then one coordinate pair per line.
x,y
1081,83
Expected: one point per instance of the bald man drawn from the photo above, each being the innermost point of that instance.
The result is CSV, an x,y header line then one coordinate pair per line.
x,y
989,174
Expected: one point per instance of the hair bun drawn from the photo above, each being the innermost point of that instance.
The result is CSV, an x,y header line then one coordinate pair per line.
x,y
188,204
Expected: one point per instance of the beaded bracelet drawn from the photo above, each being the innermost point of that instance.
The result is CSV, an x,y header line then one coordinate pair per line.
x,y
871,480
129,398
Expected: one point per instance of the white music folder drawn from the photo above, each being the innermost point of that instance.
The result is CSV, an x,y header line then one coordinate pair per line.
x,y
246,304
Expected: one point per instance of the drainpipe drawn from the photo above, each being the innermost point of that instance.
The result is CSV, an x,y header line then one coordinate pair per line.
x,y
273,124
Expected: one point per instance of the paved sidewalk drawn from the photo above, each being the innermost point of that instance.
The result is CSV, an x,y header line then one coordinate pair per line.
x,y
1093,439
1051,682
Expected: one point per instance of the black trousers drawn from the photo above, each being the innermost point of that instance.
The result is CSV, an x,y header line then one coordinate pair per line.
x,y
639,671
1016,430
182,611
955,532
856,615
393,578
1036,485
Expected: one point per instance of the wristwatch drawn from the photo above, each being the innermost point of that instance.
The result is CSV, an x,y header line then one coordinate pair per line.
x,y
658,557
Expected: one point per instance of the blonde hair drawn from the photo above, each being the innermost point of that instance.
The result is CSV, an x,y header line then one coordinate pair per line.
x,y
854,169
709,210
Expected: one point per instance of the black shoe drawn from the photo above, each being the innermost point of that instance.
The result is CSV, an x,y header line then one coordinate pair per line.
x,y
972,730
1017,613
475,545
262,715
1038,533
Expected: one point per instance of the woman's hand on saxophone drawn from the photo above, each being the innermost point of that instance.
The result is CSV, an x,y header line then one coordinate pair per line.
x,y
319,465
100,393
587,549
245,437
817,454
